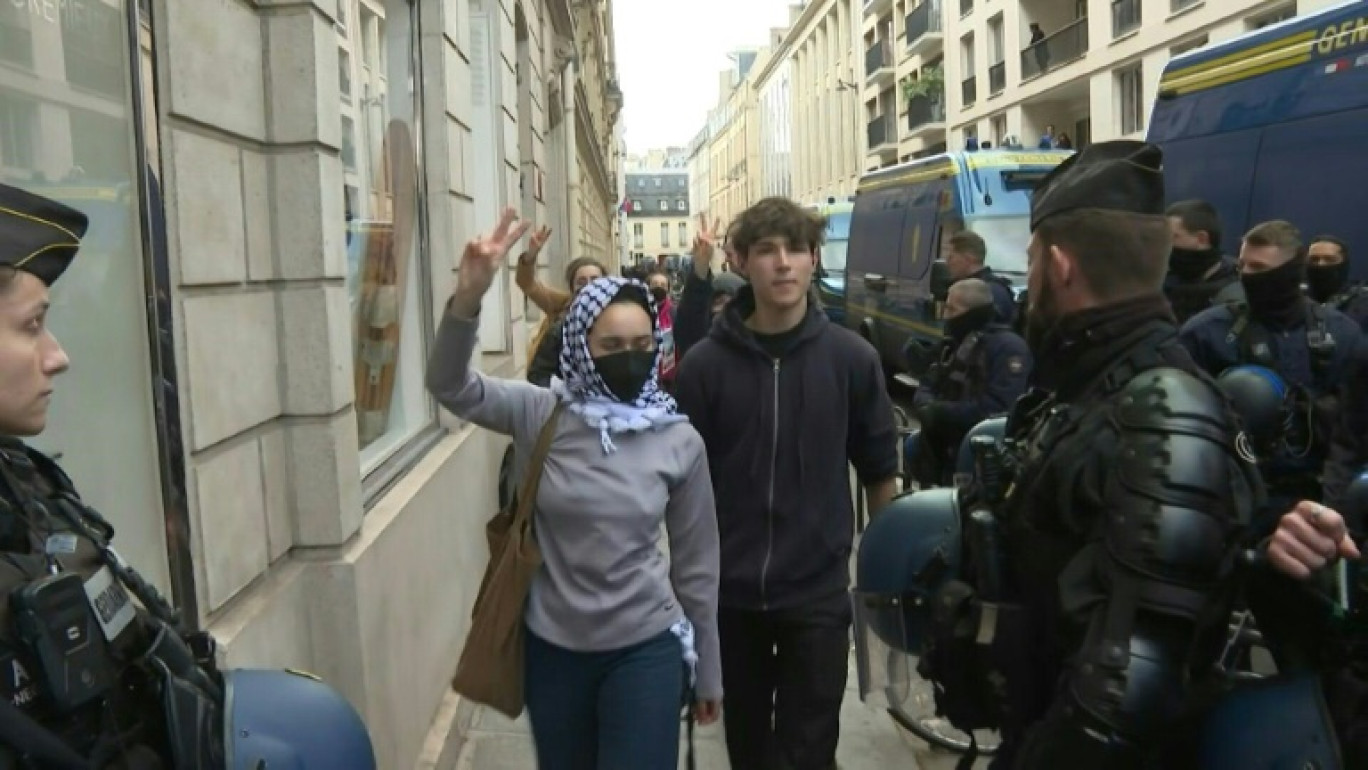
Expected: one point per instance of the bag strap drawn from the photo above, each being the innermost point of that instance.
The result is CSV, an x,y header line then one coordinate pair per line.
x,y
527,495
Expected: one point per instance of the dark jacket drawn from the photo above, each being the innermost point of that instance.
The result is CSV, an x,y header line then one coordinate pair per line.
x,y
546,361
1004,299
781,436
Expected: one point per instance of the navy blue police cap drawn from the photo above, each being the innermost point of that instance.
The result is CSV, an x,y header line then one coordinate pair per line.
x,y
1121,175
38,235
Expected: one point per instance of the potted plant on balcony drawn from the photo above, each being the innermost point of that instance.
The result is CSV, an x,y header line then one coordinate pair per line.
x,y
930,84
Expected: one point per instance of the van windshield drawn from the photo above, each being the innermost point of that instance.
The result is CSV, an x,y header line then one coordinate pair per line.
x,y
1007,239
834,255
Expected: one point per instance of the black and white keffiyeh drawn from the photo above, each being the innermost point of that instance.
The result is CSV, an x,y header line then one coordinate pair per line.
x,y
578,382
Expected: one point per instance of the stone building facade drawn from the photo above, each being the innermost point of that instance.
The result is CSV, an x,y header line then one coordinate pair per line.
x,y
276,224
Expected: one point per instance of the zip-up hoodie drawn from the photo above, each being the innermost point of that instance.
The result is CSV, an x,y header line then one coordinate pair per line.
x,y
781,436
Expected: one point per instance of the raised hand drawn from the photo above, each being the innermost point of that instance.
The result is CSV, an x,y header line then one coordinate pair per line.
x,y
538,241
705,244
484,255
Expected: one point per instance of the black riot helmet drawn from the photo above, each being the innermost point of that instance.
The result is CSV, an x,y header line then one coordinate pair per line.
x,y
1258,395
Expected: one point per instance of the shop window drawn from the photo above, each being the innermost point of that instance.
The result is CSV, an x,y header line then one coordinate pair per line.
x,y
68,132
387,278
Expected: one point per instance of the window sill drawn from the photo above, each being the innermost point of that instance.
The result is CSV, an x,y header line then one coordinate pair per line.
x,y
1124,36
1184,11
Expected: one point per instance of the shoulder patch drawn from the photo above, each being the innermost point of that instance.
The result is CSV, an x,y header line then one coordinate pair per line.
x,y
1016,365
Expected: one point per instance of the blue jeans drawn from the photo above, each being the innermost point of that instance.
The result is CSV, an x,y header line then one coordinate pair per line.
x,y
614,710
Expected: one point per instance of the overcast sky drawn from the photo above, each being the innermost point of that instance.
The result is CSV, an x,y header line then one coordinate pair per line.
x,y
669,55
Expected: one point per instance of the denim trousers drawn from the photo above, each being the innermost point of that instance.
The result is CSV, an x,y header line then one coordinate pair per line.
x,y
613,710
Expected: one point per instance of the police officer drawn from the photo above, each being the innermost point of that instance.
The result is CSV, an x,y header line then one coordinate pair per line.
x,y
1327,279
1306,344
1123,517
89,677
983,369
1199,276
966,256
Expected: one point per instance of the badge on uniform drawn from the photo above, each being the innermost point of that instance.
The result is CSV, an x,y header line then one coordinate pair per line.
x,y
113,606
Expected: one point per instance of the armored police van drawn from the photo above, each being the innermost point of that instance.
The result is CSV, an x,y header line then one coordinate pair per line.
x,y
1270,125
903,214
831,271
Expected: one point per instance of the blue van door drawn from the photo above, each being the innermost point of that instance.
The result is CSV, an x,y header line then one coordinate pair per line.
x,y
872,282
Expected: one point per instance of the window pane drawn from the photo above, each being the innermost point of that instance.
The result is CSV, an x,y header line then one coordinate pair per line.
x,y
385,279
66,132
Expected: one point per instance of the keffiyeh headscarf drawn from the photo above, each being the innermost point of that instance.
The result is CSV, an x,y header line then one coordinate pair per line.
x,y
578,382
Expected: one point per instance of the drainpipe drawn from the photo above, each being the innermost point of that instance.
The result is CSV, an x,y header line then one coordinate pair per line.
x,y
572,176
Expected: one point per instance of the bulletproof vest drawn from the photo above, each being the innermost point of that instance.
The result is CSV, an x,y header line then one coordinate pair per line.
x,y
1253,343
37,543
965,369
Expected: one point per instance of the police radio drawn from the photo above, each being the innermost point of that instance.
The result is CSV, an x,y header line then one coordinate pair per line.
x,y
56,624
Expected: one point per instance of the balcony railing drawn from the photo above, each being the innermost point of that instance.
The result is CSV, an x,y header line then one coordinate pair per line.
x,y
966,7
876,58
1125,16
923,110
997,77
969,91
923,20
879,132
1178,5
1066,45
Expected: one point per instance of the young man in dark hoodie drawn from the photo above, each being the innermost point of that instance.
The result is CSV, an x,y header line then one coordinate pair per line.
x,y
786,402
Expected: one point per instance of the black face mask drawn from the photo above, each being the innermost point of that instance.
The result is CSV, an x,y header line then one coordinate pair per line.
x,y
659,294
968,322
1324,281
1273,294
626,373
1192,264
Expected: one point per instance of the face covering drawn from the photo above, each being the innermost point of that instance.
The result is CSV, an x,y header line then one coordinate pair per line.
x,y
626,373
1192,264
969,321
659,294
1324,281
1274,293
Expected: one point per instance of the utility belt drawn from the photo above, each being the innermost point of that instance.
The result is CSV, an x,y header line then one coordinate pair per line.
x,y
102,681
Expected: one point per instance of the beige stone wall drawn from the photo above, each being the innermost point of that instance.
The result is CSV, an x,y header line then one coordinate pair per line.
x,y
292,568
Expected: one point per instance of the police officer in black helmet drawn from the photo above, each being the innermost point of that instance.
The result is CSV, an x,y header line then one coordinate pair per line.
x,y
1123,518
88,677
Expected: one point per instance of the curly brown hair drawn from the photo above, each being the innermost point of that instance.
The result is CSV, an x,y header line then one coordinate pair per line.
x,y
777,217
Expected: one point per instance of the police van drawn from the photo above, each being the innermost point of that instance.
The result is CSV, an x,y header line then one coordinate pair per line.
x,y
831,271
1271,125
901,217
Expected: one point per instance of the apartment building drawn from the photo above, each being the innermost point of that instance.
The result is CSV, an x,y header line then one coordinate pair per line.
x,y
699,164
903,89
1039,72
657,207
774,87
277,195
734,143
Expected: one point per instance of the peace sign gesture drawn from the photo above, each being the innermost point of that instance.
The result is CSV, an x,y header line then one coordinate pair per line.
x,y
538,241
482,257
705,244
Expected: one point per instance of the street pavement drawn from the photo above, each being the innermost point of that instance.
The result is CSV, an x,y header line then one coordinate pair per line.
x,y
870,740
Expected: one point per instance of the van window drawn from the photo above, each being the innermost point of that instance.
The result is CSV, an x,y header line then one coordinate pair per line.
x,y
1007,239
878,240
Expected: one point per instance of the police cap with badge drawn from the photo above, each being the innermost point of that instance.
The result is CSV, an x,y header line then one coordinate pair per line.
x,y
38,235
1121,175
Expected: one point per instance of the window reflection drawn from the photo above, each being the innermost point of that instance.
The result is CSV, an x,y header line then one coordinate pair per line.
x,y
66,132
379,155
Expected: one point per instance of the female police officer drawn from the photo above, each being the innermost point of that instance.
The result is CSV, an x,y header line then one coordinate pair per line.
x,y
89,678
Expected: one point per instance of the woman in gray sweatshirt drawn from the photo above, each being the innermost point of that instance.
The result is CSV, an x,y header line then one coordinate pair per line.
x,y
617,633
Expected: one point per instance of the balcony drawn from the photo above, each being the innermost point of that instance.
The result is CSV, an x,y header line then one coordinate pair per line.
x,y
1067,45
876,7
968,91
924,27
1180,5
925,114
997,78
1125,17
882,136
879,64
966,7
